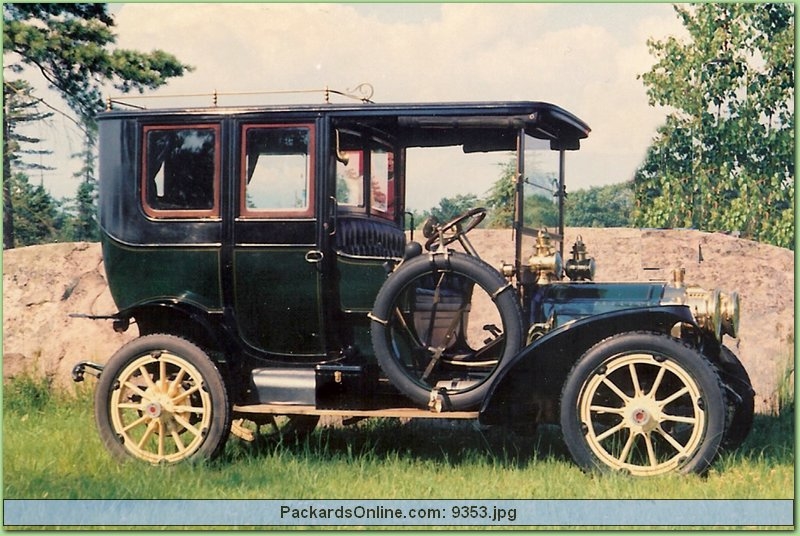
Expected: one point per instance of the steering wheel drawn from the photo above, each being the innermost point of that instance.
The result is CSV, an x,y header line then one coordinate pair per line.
x,y
458,226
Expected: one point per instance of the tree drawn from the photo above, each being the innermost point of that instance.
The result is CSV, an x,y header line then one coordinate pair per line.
x,y
36,214
450,207
600,206
724,159
500,198
71,46
19,108
539,206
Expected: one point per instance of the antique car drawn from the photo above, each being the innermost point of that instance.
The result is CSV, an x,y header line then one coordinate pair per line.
x,y
265,257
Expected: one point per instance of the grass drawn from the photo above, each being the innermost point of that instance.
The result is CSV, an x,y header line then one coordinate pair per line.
x,y
51,450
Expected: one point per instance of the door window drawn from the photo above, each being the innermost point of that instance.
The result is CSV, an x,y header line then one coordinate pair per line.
x,y
277,175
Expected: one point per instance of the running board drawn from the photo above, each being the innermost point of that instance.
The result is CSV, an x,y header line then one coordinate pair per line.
x,y
412,413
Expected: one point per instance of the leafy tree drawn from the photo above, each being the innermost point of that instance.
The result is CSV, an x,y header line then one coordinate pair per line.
x,y
539,208
724,159
500,198
71,47
450,207
600,206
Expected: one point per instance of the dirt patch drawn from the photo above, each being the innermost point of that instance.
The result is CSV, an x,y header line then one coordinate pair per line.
x,y
43,285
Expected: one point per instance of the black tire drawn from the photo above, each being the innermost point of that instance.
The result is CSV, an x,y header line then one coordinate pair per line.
x,y
644,403
161,399
407,338
741,407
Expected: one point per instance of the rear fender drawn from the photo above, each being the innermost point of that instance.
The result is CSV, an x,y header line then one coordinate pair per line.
x,y
529,385
181,319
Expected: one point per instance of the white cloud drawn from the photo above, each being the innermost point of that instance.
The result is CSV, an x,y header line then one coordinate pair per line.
x,y
582,57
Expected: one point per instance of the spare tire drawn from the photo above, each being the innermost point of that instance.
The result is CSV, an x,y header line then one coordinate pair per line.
x,y
441,325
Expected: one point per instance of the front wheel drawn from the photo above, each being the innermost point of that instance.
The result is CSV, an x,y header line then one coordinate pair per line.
x,y
161,399
644,403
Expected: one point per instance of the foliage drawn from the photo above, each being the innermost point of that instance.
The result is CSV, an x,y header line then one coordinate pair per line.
x,y
20,107
71,46
450,207
724,159
37,217
500,198
600,206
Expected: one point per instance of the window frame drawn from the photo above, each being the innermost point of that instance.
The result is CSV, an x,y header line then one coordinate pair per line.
x,y
179,213
369,143
280,213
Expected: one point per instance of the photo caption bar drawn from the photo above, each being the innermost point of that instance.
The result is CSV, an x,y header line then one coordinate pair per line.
x,y
390,512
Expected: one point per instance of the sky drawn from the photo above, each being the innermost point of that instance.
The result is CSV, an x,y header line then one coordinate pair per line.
x,y
582,57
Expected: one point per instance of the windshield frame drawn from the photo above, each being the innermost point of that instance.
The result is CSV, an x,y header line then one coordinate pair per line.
x,y
520,229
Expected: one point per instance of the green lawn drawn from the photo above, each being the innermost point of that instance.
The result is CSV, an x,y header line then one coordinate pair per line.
x,y
51,450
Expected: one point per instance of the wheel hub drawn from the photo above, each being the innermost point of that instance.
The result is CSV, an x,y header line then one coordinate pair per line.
x,y
640,416
153,410
643,415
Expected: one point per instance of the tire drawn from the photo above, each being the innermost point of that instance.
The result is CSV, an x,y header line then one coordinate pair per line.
x,y
421,330
644,403
161,399
741,407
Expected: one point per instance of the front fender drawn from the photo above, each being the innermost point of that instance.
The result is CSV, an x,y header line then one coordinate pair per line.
x,y
529,385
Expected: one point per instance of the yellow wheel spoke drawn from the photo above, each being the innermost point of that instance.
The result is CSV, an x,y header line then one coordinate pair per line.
x,y
136,389
130,405
674,396
186,424
181,397
146,376
136,423
651,454
189,409
616,389
147,433
611,431
160,439
637,388
672,441
607,409
678,418
162,373
173,388
627,448
176,437
657,382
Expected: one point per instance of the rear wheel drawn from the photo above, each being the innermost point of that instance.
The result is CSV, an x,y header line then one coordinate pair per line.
x,y
644,403
441,325
161,399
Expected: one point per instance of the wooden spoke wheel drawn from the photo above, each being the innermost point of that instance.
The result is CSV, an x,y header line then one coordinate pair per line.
x,y
160,399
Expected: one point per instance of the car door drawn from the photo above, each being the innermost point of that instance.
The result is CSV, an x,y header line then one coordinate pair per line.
x,y
277,291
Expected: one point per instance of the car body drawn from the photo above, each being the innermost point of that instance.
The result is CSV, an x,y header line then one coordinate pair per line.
x,y
264,255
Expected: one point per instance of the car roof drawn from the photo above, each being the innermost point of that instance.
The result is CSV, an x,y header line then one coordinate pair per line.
x,y
540,119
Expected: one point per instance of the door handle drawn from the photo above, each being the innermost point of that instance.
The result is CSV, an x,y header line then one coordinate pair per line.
x,y
314,256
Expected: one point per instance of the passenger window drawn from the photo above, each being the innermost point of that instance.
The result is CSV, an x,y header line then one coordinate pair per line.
x,y
350,180
382,182
180,171
277,177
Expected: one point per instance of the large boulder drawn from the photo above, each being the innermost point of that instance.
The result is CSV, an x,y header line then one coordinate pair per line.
x,y
43,285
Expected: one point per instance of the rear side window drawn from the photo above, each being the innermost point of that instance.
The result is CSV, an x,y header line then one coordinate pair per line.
x,y
277,177
181,171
